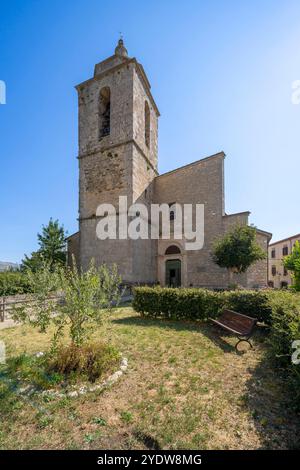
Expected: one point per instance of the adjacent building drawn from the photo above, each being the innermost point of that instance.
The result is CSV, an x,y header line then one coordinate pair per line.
x,y
279,276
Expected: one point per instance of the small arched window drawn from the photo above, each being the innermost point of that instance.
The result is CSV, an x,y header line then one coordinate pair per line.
x,y
172,250
104,112
147,124
172,210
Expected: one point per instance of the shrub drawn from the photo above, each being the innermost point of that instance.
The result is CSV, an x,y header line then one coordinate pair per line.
x,y
71,363
199,304
90,361
285,330
256,304
14,282
285,323
87,294
191,304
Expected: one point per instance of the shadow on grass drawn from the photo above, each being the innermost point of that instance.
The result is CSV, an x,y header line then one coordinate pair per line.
x,y
10,400
149,442
212,332
270,403
123,304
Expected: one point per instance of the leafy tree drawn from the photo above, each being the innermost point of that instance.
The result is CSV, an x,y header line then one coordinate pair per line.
x,y
52,243
32,262
52,248
87,298
238,249
292,263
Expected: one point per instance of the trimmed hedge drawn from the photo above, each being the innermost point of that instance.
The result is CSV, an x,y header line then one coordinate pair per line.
x,y
285,323
199,304
186,304
13,282
256,304
285,329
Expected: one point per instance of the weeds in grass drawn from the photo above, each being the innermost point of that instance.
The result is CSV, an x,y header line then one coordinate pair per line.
x,y
100,421
126,416
89,361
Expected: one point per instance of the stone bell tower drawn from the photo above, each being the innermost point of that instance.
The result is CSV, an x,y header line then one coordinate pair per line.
x,y
118,121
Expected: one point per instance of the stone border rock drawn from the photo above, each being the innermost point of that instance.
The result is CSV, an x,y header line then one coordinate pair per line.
x,y
83,389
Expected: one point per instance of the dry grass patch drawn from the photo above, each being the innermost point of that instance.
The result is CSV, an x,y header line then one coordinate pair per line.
x,y
185,388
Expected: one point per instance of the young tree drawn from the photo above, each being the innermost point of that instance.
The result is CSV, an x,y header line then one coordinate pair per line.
x,y
238,250
52,242
87,297
292,263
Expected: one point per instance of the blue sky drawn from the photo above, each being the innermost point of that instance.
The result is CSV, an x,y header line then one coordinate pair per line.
x,y
221,74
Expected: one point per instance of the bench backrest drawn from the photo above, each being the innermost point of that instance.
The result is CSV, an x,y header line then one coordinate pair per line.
x,y
237,321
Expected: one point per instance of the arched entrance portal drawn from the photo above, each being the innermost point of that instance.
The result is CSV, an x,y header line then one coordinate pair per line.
x,y
173,273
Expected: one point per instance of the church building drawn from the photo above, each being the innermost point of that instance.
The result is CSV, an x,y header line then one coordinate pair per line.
x,y
118,154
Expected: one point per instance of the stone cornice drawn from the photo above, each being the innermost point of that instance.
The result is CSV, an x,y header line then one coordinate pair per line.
x,y
140,72
102,74
237,213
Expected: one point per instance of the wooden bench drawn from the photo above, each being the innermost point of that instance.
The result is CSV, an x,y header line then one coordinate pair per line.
x,y
237,323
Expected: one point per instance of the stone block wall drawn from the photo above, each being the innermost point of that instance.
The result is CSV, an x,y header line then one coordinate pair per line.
x,y
257,274
198,183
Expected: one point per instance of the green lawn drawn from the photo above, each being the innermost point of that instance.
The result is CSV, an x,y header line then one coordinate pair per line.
x,y
185,388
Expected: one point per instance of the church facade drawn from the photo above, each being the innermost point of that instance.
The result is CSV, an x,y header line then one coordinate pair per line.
x,y
118,155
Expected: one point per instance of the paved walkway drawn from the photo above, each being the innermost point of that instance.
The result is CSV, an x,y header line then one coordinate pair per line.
x,y
7,324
